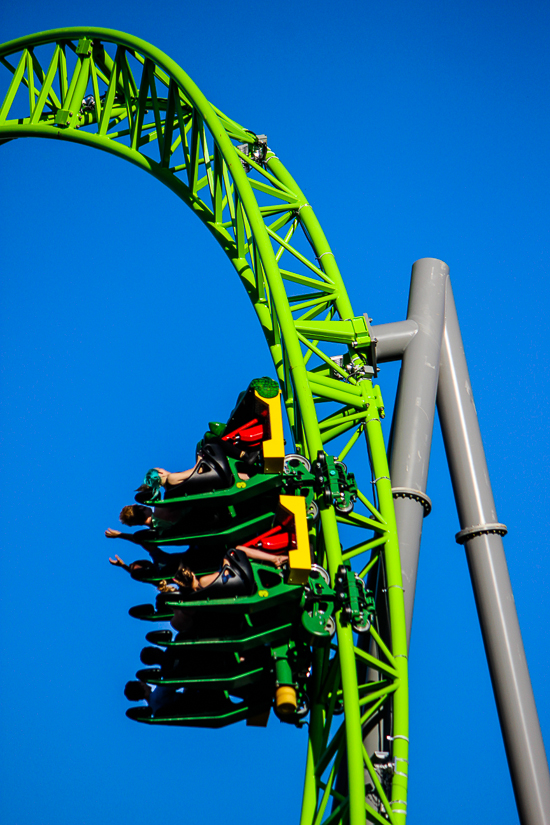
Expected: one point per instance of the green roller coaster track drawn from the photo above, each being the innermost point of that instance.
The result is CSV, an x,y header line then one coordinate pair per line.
x,y
109,90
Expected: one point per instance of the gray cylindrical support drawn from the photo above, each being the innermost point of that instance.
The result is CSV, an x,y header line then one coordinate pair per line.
x,y
491,583
418,341
414,413
393,339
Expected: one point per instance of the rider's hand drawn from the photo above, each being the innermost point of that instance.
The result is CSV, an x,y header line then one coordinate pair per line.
x,y
112,534
280,560
162,473
117,561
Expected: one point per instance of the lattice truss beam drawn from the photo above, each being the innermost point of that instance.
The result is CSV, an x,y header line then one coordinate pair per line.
x,y
103,91
126,99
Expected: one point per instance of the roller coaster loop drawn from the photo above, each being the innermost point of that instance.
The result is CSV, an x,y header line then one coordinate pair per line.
x,y
109,90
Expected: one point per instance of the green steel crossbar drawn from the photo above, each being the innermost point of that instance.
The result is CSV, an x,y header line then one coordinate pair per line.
x,y
111,91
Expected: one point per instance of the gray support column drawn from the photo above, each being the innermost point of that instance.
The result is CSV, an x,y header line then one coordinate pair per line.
x,y
418,342
490,580
393,339
414,413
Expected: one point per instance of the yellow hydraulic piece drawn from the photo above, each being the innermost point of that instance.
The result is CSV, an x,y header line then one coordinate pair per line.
x,y
274,446
299,559
285,699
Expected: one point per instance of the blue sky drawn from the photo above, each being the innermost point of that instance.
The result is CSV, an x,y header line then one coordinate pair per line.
x,y
415,130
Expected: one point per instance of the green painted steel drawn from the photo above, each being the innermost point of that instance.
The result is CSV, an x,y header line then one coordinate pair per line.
x,y
109,90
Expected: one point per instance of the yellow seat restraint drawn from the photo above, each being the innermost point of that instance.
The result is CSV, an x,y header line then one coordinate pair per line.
x,y
274,446
299,559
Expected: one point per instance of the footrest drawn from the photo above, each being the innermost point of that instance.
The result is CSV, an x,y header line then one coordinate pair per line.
x,y
193,716
233,534
230,680
239,642
148,613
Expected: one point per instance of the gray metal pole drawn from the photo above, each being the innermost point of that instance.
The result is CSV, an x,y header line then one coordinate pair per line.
x,y
393,339
414,412
418,342
481,535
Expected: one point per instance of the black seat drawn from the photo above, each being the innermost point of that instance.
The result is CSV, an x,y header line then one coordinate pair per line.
x,y
211,473
240,562
234,579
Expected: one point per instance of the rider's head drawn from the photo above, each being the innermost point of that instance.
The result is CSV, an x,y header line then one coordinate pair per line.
x,y
135,514
184,577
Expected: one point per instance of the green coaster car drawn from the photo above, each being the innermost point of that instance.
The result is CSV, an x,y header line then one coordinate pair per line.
x,y
198,669
250,645
255,644
206,709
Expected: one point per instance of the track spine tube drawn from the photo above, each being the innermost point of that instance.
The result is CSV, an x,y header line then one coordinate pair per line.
x,y
396,603
309,802
354,740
